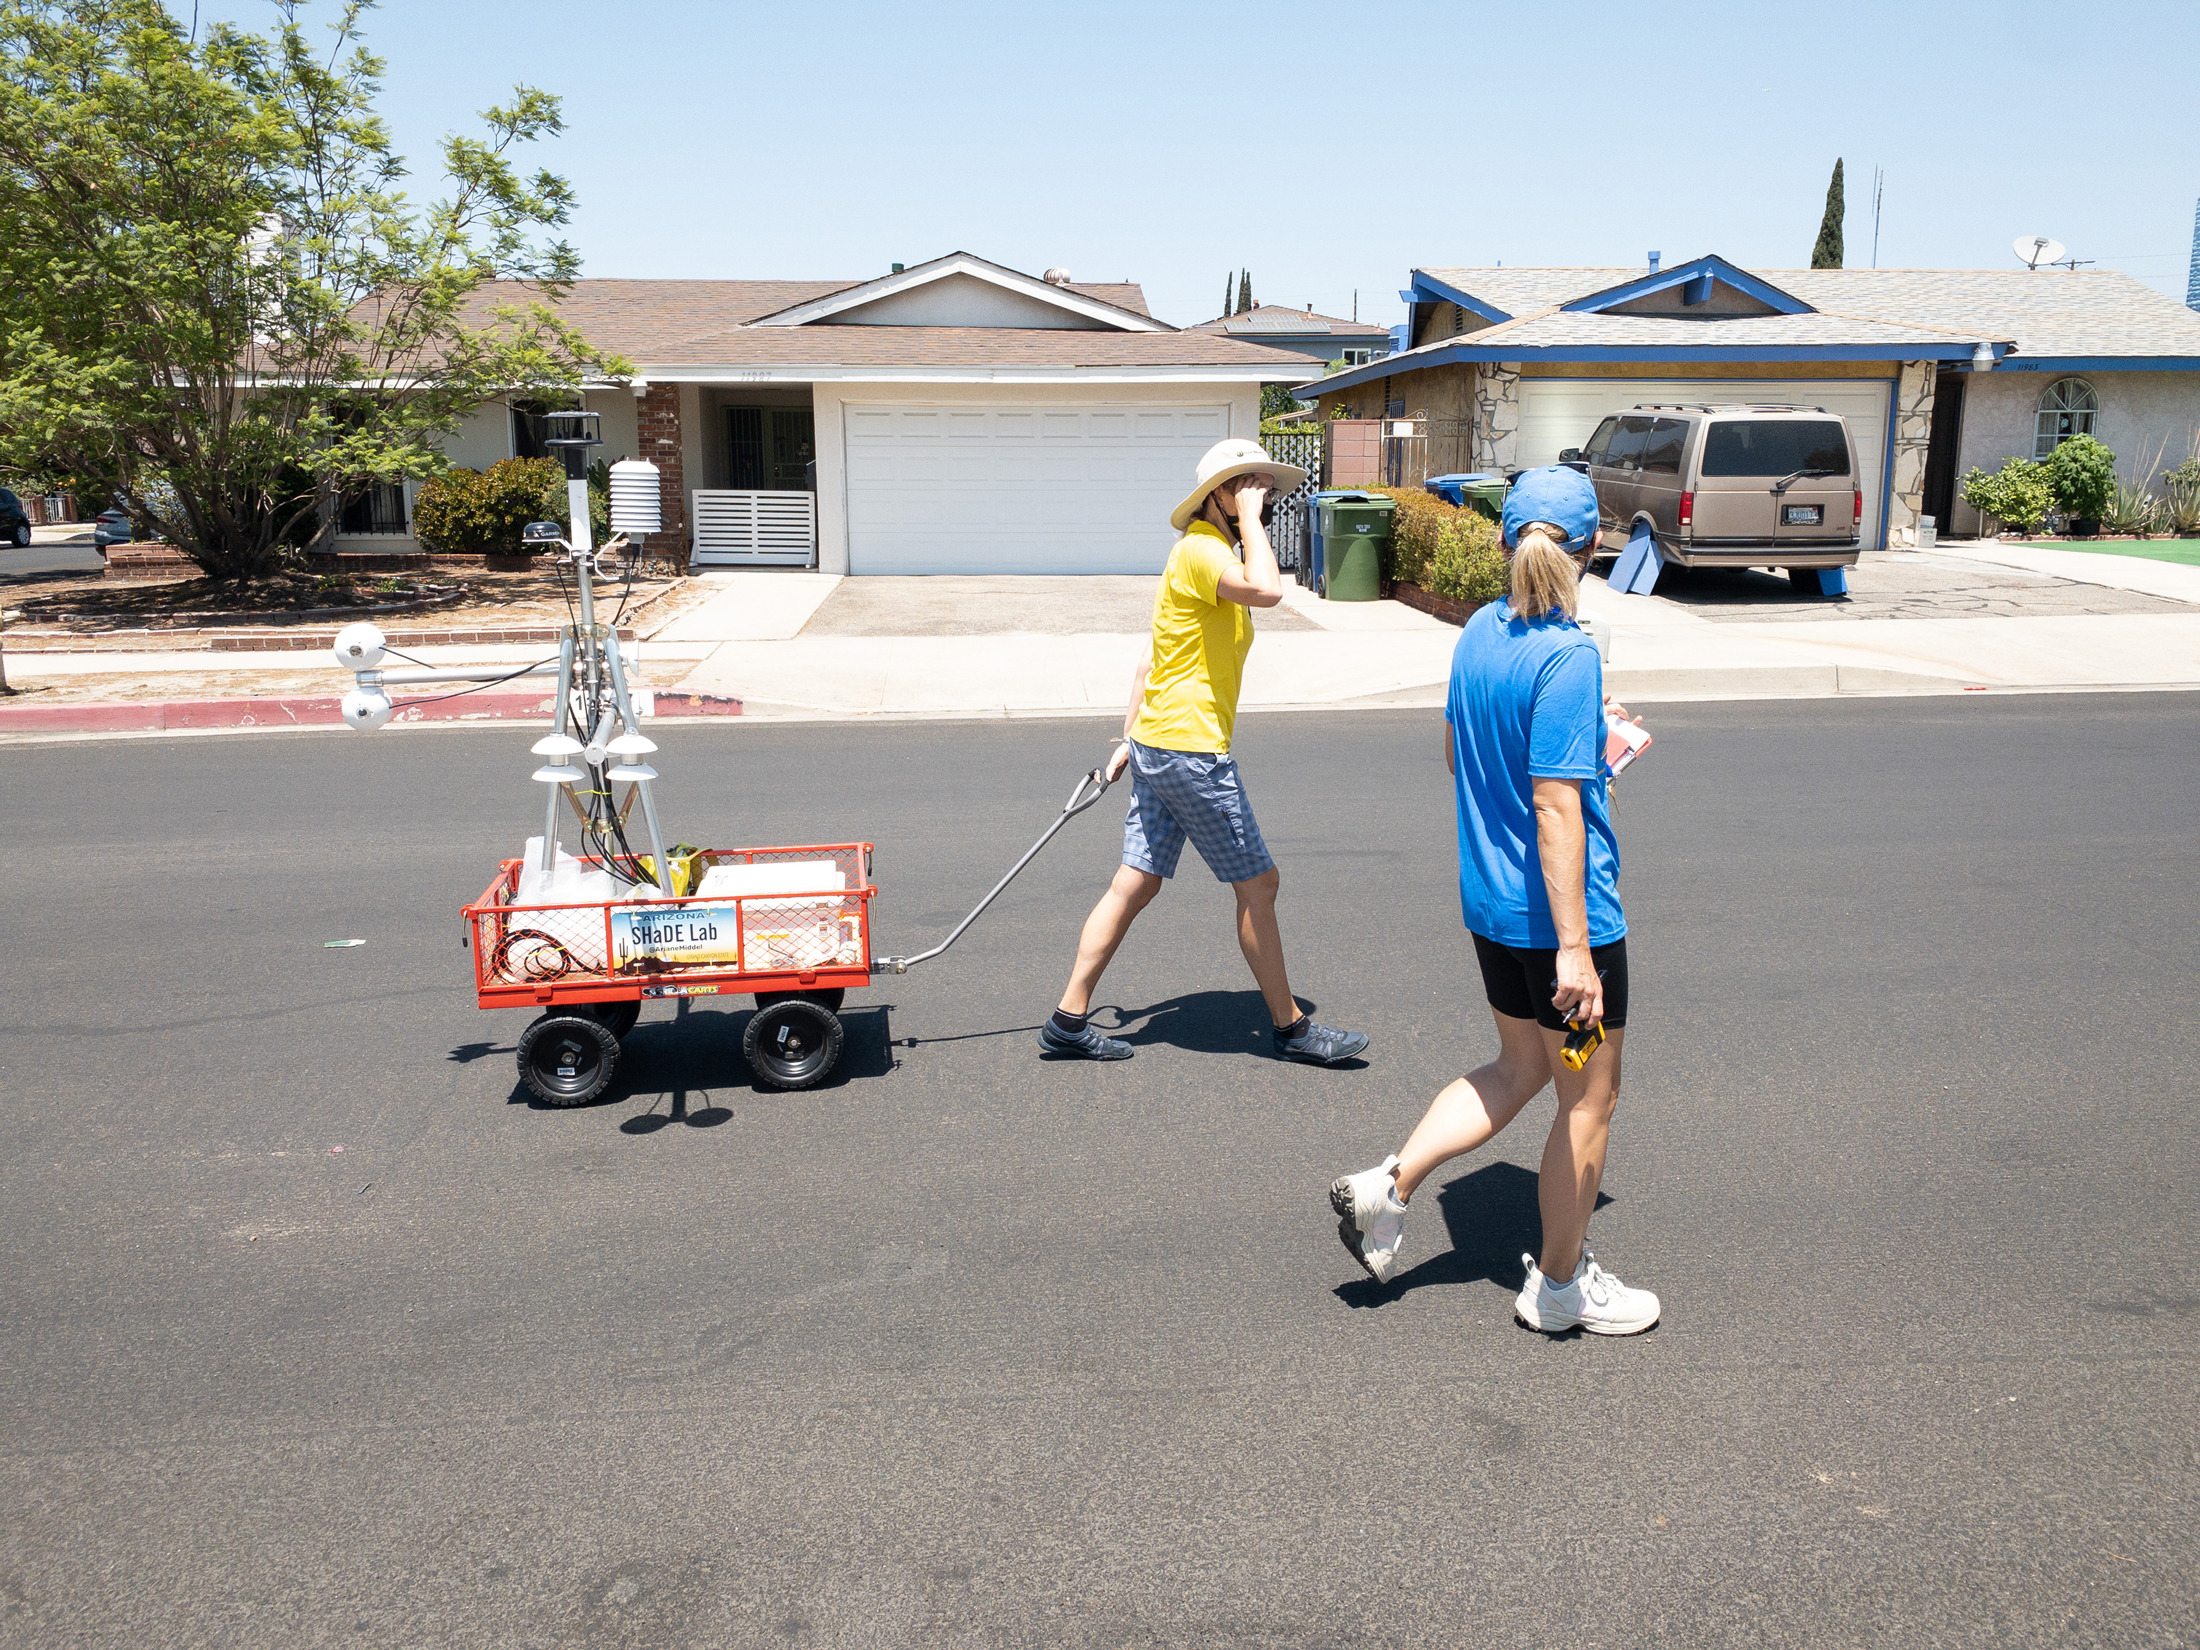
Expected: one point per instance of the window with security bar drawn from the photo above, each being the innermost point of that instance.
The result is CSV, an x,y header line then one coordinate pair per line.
x,y
2067,408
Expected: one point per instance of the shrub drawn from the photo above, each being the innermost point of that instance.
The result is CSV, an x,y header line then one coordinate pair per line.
x,y
1443,548
2082,475
2132,508
2017,494
475,512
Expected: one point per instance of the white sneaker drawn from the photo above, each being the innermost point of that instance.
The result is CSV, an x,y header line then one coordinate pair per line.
x,y
1370,1219
1593,1300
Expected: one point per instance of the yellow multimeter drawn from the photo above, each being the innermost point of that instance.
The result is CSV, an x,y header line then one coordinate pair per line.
x,y
1582,1041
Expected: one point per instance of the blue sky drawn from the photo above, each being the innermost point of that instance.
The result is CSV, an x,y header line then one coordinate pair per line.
x,y
1326,147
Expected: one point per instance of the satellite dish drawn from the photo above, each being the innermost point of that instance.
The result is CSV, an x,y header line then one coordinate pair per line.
x,y
2034,250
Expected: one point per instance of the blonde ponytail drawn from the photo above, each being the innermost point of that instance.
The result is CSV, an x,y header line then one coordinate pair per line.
x,y
1544,575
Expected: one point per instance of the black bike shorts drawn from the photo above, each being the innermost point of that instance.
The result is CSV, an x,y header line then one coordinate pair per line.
x,y
1519,983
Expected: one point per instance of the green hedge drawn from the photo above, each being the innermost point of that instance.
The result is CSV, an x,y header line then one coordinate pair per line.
x,y
1443,548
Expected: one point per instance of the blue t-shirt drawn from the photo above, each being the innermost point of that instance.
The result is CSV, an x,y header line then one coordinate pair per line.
x,y
1526,703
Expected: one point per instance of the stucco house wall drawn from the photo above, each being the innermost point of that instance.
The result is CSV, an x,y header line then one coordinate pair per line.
x,y
2142,414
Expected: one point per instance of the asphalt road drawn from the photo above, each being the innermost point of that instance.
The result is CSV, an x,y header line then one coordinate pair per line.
x,y
49,554
318,1333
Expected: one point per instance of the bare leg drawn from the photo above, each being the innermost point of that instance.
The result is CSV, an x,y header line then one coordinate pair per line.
x,y
1473,1108
1130,893
1573,1157
1262,942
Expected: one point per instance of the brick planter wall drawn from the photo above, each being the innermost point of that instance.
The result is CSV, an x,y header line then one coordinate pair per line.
x,y
1447,608
148,561
657,430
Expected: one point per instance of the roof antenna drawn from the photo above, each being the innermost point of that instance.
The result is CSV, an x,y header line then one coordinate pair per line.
x,y
2035,250
1879,184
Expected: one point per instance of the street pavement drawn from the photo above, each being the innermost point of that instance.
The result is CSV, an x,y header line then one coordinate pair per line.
x,y
318,1332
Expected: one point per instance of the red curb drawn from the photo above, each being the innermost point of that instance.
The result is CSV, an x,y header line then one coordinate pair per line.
x,y
159,717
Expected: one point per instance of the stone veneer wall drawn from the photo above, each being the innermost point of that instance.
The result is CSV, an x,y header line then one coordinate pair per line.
x,y
1913,434
1496,415
657,431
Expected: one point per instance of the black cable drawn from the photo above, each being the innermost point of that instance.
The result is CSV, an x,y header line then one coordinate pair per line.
x,y
407,704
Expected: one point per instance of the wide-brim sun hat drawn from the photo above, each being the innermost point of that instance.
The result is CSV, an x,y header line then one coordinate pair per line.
x,y
1559,495
1226,461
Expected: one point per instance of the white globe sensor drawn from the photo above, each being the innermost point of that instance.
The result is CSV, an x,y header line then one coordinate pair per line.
x,y
366,708
361,646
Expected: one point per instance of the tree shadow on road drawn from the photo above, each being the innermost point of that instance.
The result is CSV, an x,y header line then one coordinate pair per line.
x,y
1491,1219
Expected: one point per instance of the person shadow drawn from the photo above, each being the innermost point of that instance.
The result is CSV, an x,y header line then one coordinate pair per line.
x,y
1202,1022
1491,1217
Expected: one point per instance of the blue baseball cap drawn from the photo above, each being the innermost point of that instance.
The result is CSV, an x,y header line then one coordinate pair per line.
x,y
1560,495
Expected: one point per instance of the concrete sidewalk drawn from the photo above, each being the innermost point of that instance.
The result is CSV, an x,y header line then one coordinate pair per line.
x,y
789,645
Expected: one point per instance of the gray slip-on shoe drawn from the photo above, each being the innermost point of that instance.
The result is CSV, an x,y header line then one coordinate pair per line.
x,y
1088,1044
1318,1045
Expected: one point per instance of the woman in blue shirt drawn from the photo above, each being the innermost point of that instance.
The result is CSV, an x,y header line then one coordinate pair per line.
x,y
1539,886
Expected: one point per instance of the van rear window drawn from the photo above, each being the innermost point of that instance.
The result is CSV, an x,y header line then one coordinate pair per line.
x,y
1773,447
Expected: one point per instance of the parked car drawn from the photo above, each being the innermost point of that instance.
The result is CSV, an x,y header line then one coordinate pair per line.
x,y
15,521
113,527
1729,485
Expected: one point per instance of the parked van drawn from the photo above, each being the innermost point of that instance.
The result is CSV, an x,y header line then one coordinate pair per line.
x,y
1729,485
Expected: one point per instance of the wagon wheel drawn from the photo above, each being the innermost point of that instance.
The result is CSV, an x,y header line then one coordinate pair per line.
x,y
619,1017
831,998
568,1059
793,1043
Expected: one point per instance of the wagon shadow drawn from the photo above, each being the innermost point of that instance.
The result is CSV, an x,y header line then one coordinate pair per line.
x,y
1491,1219
679,1065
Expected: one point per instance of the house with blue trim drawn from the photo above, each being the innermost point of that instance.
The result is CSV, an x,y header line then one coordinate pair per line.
x,y
1936,371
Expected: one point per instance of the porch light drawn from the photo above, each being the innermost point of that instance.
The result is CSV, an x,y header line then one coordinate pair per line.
x,y
1982,358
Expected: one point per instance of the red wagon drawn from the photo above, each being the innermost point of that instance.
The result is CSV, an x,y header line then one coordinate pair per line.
x,y
797,946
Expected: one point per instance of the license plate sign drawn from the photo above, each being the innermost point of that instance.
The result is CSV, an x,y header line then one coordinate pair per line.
x,y
1803,515
675,934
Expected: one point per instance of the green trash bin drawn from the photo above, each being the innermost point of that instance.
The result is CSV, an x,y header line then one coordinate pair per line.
x,y
1354,531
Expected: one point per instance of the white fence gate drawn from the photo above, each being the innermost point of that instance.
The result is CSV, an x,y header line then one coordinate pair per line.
x,y
741,529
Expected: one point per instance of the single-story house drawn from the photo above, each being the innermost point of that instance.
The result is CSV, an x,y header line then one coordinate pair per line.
x,y
1936,371
1301,331
953,417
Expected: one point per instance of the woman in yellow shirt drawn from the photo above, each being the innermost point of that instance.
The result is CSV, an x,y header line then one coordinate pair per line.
x,y
1176,742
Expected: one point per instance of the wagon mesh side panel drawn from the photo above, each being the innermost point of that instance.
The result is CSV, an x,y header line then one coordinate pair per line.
x,y
543,944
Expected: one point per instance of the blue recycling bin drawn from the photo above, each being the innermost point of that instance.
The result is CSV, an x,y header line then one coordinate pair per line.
x,y
1315,568
1478,488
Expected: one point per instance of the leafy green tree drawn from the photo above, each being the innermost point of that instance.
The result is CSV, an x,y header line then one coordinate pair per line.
x,y
1245,291
214,295
1827,253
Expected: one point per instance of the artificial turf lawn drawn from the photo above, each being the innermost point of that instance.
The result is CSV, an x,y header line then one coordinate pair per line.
x,y
2178,550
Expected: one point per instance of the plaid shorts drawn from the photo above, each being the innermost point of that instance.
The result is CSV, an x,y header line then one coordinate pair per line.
x,y
1196,794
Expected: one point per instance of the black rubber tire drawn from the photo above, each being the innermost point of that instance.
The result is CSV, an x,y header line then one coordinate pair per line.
x,y
20,536
829,999
620,1017
568,1059
792,1044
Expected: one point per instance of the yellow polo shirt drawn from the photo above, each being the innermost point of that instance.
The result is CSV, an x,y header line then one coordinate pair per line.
x,y
1199,647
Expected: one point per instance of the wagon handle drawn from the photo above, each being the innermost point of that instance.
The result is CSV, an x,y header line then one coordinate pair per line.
x,y
1097,782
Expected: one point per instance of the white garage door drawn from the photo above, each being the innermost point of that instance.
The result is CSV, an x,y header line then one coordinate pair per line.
x,y
1556,413
1020,489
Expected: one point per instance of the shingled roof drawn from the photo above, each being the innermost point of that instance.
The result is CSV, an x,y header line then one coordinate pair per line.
x,y
2047,317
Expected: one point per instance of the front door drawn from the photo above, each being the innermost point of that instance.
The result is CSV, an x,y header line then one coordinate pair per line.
x,y
771,450
1940,450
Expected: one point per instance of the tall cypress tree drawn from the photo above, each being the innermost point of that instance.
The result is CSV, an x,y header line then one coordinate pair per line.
x,y
1827,253
1245,291
1229,292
